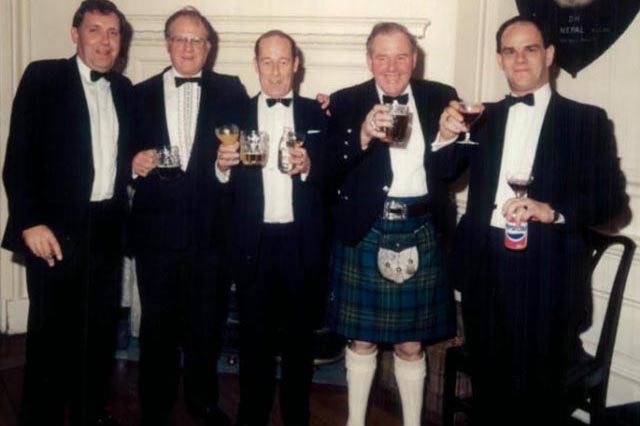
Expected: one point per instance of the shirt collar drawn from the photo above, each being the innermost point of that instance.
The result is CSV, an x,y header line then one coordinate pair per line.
x,y
406,91
85,72
173,72
263,97
541,96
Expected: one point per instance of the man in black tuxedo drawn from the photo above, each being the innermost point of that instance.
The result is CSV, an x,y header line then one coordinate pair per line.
x,y
65,174
388,218
523,310
176,224
277,248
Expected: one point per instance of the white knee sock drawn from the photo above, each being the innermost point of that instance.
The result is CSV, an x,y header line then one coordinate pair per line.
x,y
360,372
410,379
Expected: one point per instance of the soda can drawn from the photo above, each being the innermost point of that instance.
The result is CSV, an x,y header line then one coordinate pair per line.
x,y
515,237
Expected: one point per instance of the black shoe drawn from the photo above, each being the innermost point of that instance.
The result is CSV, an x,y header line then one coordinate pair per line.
x,y
211,416
217,418
106,420
157,420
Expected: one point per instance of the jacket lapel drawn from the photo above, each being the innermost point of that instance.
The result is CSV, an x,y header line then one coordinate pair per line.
x,y
120,104
423,114
300,124
157,107
254,174
494,147
200,134
79,109
544,157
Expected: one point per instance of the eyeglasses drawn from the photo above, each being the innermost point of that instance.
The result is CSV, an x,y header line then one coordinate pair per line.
x,y
182,42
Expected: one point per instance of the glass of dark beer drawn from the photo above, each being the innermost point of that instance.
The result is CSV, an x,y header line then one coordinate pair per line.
x,y
400,130
168,167
254,146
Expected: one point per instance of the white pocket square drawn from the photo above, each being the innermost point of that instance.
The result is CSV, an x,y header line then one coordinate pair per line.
x,y
312,131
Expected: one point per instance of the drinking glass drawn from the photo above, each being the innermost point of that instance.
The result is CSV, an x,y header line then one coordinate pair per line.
x,y
471,112
254,147
289,140
519,181
228,134
400,130
168,167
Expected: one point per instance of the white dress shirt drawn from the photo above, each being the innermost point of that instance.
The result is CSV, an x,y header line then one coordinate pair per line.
x,y
181,105
407,163
104,132
521,136
277,186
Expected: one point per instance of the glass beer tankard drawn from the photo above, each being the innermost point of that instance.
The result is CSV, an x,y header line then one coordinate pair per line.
x,y
168,158
399,132
254,147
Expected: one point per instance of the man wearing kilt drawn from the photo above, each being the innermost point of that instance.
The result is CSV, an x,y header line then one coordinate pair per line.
x,y
387,274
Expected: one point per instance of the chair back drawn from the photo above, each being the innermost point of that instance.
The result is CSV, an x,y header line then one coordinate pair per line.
x,y
606,343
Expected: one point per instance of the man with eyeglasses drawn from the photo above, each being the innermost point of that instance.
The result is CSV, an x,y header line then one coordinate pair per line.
x,y
175,237
65,173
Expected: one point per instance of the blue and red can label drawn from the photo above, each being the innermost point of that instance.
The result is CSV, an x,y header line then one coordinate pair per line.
x,y
515,237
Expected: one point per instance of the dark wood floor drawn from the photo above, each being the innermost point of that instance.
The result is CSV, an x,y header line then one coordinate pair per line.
x,y
328,402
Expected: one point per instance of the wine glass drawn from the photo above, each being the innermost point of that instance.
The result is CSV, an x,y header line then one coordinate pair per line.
x,y
228,134
471,112
519,181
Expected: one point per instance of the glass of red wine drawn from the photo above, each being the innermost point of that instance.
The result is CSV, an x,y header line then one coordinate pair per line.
x,y
519,181
470,111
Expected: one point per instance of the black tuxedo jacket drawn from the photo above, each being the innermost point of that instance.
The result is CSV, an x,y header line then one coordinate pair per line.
x,y
308,204
48,171
363,178
185,212
575,170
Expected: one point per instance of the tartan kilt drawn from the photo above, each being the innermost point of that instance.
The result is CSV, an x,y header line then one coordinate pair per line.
x,y
363,305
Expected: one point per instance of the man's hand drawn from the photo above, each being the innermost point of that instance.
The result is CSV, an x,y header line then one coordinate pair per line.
x,y
144,162
300,161
374,123
228,156
452,121
43,244
520,210
324,100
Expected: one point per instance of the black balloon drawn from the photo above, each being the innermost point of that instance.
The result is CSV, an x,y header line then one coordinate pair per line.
x,y
581,30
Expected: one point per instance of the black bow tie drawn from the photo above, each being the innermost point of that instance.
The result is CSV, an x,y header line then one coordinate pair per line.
x,y
402,99
526,99
284,101
182,80
97,75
